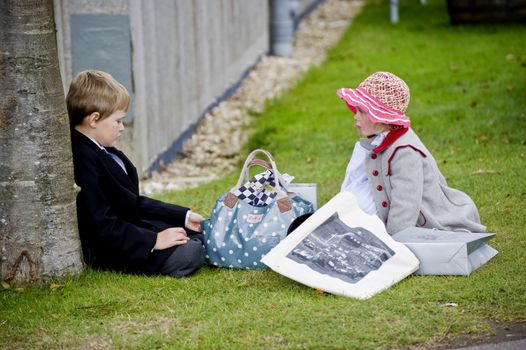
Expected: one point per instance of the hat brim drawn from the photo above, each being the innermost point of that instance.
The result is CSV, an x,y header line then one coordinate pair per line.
x,y
376,111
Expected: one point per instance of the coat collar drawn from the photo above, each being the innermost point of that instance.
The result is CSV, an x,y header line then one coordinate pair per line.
x,y
79,138
391,137
130,180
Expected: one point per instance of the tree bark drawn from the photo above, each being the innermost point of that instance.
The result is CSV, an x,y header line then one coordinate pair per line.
x,y
38,224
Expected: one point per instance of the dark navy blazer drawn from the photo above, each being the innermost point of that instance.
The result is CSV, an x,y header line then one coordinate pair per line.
x,y
118,227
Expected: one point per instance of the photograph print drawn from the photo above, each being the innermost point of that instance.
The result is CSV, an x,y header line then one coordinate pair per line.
x,y
340,251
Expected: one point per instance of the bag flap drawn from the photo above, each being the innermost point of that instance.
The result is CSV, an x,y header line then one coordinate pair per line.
x,y
434,237
476,243
437,253
481,256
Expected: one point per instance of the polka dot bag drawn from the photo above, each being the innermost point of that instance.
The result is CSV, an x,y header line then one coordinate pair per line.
x,y
238,234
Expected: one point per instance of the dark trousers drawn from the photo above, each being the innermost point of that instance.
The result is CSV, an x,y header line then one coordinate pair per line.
x,y
185,259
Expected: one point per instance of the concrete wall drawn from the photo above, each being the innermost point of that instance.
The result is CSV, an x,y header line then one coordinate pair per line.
x,y
176,57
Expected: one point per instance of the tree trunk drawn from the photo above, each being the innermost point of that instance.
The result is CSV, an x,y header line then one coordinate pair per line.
x,y
38,225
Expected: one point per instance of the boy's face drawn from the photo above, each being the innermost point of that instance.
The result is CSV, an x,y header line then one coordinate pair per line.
x,y
364,126
108,130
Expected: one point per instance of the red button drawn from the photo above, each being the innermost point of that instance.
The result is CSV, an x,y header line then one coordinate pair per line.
x,y
384,204
373,155
375,172
379,187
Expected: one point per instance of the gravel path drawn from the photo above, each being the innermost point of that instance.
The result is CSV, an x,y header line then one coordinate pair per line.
x,y
213,149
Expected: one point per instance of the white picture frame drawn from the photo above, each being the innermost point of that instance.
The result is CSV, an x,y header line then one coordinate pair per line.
x,y
342,268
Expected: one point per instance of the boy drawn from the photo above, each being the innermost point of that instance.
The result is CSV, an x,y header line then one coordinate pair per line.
x,y
120,229
391,172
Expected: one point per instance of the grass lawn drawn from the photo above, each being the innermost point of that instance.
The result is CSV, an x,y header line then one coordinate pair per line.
x,y
468,104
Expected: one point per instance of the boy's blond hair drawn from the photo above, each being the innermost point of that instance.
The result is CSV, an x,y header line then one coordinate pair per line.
x,y
95,91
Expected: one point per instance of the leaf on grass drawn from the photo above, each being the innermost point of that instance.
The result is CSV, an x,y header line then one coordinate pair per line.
x,y
5,285
481,137
319,292
54,316
484,171
54,286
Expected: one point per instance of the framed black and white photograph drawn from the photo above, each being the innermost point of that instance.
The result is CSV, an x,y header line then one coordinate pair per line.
x,y
342,250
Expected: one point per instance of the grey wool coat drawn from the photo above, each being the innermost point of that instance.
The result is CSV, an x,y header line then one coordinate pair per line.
x,y
409,190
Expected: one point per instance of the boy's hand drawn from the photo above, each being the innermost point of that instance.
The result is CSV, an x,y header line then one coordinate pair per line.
x,y
194,222
170,237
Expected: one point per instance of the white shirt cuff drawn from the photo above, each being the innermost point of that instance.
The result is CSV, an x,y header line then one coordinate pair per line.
x,y
188,213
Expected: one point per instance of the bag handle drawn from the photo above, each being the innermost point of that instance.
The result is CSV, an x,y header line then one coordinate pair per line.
x,y
251,161
282,199
267,165
260,162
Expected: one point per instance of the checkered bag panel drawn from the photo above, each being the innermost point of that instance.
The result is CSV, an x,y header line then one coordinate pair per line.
x,y
259,190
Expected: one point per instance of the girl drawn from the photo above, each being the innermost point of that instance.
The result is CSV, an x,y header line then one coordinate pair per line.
x,y
391,173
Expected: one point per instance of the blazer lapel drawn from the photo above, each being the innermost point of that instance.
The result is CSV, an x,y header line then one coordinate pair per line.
x,y
115,170
130,168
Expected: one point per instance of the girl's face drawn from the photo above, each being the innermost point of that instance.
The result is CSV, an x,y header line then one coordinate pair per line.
x,y
365,127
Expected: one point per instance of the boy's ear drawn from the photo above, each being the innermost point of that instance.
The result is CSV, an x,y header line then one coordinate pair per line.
x,y
93,118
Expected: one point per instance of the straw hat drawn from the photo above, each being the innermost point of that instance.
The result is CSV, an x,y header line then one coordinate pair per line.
x,y
383,96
